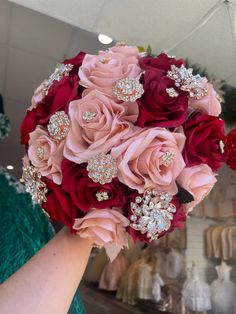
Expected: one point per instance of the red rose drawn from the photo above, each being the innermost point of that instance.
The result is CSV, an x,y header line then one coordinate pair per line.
x,y
83,191
177,222
60,94
179,217
59,205
76,61
231,145
203,135
28,125
156,106
162,63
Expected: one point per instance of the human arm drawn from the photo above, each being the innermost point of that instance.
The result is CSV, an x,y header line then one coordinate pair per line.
x,y
48,281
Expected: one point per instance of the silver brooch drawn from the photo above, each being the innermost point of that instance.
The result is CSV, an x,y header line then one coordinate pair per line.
x,y
128,89
88,115
152,213
186,81
59,125
172,92
167,158
102,196
39,152
102,168
33,184
60,71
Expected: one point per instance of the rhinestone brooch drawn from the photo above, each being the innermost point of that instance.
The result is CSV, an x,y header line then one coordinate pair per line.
x,y
167,158
102,168
102,196
39,152
186,81
32,179
59,125
128,89
152,213
60,71
88,115
172,92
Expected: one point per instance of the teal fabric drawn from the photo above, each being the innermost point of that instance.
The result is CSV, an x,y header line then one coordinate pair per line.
x,y
24,230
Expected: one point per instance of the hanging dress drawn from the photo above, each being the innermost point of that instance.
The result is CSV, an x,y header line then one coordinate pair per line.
x,y
223,291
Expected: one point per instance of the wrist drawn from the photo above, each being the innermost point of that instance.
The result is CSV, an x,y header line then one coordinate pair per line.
x,y
65,232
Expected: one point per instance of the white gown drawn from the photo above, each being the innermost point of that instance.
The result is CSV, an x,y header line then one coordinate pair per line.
x,y
223,291
174,264
196,293
156,287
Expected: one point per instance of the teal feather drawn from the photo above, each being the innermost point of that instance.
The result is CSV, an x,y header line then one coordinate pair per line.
x,y
24,230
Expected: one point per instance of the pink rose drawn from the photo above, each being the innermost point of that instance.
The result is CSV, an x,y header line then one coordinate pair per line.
x,y
199,181
208,104
46,154
25,160
105,227
141,160
128,51
97,124
37,97
103,70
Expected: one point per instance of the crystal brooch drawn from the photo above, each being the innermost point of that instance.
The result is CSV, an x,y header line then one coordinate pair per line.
x,y
102,168
172,92
167,158
39,152
152,213
102,196
128,89
60,71
88,115
187,82
32,179
59,125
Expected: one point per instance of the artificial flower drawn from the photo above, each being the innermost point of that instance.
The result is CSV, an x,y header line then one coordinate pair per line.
x,y
97,124
87,194
231,147
101,71
59,206
208,104
46,154
60,94
105,227
199,181
204,138
37,97
141,159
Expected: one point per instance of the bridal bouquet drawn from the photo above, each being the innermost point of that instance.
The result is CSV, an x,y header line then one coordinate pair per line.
x,y
122,142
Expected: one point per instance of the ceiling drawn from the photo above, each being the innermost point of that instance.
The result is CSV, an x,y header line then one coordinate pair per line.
x,y
35,35
160,23
31,44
